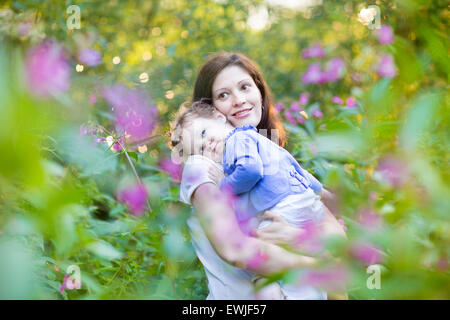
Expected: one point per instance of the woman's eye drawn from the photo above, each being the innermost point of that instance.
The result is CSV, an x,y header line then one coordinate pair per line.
x,y
203,132
222,95
245,86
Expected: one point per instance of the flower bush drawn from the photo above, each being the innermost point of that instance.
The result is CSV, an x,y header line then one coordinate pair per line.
x,y
85,175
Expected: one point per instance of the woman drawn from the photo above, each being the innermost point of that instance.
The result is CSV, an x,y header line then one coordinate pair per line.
x,y
234,85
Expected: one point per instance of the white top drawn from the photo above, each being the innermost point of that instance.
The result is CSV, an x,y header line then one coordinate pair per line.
x,y
225,282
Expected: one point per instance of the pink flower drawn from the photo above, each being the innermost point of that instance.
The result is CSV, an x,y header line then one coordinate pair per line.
x,y
257,259
279,106
92,99
300,119
442,264
366,253
393,170
90,57
47,70
313,148
373,196
69,284
385,34
295,107
304,98
173,169
24,28
334,70
317,113
133,110
315,51
334,278
312,74
342,223
369,219
288,115
351,102
337,100
309,238
135,197
387,67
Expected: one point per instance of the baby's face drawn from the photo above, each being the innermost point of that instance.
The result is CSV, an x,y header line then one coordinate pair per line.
x,y
205,136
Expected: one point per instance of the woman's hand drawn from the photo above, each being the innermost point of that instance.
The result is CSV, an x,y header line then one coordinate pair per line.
x,y
279,231
215,174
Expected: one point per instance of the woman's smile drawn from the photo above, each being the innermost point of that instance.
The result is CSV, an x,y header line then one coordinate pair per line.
x,y
242,113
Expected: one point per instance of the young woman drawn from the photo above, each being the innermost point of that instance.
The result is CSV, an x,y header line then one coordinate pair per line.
x,y
234,85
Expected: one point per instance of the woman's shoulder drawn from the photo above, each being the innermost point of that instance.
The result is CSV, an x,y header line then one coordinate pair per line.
x,y
198,161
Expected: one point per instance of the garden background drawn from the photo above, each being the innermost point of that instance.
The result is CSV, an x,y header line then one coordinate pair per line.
x,y
366,110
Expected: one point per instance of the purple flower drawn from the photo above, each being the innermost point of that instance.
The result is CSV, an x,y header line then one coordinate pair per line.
x,y
342,223
47,70
24,28
69,284
173,169
134,113
369,219
309,238
90,57
135,197
279,106
366,253
89,129
304,98
334,70
387,68
351,102
92,99
393,170
337,100
295,107
317,113
257,259
315,51
300,119
100,139
334,278
288,115
385,34
312,74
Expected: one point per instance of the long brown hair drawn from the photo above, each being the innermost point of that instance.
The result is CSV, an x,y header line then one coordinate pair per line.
x,y
215,64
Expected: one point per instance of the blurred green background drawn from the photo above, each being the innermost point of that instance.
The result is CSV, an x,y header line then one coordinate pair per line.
x,y
387,155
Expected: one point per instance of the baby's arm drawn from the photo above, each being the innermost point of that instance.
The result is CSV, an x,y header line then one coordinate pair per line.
x,y
242,154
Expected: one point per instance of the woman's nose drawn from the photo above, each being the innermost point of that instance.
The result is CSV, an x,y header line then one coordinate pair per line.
x,y
238,99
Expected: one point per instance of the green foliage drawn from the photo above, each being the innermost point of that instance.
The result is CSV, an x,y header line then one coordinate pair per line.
x,y
58,199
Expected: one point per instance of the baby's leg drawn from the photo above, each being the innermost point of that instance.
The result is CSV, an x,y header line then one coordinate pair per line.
x,y
271,291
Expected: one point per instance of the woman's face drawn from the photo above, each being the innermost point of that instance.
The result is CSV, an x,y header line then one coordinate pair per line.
x,y
236,95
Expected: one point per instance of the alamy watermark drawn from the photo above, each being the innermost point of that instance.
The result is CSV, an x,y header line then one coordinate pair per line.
x,y
74,19
374,280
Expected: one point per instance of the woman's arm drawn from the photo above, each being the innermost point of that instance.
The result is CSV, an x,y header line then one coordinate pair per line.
x,y
220,225
282,233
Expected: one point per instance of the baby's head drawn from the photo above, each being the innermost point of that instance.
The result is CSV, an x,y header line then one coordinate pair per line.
x,y
202,130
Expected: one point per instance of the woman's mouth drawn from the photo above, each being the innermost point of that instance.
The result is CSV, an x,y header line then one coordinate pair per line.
x,y
242,113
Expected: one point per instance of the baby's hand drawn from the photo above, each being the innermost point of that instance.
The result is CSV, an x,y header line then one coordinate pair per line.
x,y
215,174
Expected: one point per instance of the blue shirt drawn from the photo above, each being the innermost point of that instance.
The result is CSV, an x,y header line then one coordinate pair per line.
x,y
261,172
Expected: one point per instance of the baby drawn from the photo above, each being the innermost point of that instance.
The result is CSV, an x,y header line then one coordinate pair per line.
x,y
262,174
